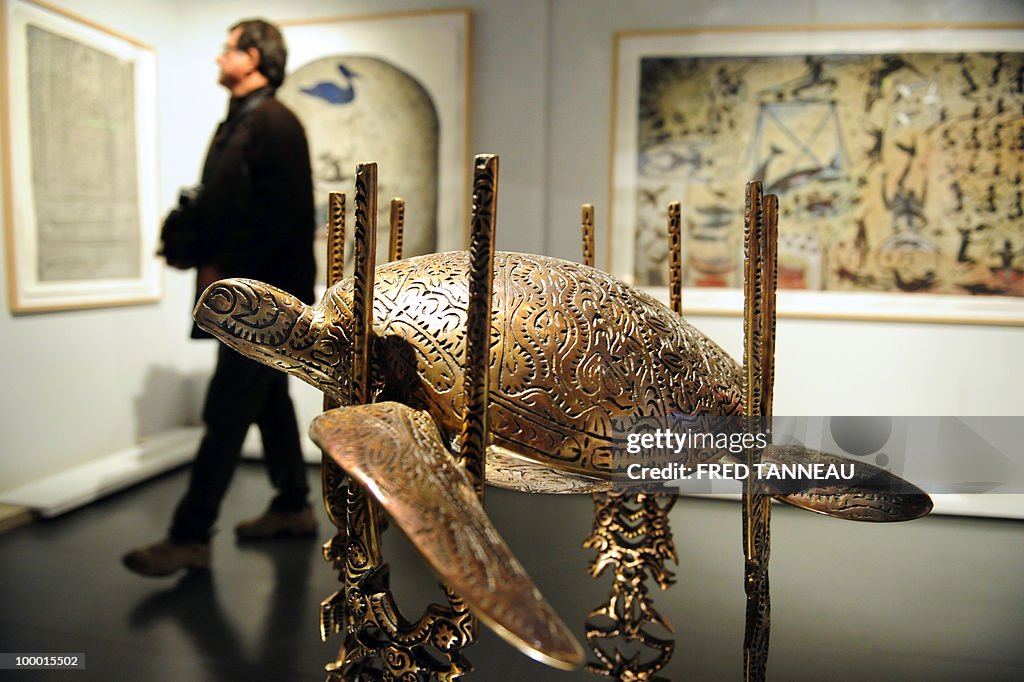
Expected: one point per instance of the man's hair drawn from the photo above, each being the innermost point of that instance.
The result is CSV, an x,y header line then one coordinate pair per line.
x,y
267,40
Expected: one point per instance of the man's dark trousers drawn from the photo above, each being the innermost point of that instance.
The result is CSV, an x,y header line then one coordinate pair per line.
x,y
241,392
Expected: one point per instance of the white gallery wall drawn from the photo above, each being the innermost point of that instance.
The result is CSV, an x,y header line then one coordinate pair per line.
x,y
80,385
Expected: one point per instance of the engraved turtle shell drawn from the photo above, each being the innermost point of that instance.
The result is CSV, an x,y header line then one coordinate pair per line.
x,y
573,350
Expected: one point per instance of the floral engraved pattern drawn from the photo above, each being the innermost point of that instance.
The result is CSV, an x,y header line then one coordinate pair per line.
x,y
572,350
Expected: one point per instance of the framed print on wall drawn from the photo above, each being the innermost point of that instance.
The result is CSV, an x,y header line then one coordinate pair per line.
x,y
897,154
391,89
80,162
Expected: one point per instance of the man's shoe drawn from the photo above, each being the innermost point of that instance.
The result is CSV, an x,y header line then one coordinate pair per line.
x,y
274,524
167,557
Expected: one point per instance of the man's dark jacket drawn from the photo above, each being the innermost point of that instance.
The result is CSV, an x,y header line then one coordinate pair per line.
x,y
256,209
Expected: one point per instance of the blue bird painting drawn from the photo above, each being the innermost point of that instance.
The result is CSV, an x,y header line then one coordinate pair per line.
x,y
331,92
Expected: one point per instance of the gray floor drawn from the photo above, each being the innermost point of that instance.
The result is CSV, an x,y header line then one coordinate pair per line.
x,y
941,598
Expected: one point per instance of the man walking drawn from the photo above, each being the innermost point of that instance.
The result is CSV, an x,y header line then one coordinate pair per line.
x,y
256,220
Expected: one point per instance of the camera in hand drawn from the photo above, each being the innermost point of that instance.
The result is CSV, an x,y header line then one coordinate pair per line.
x,y
179,237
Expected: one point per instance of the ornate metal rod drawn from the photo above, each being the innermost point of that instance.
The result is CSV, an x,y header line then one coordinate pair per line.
x,y
675,258
771,283
332,478
478,319
335,254
362,545
760,237
362,513
588,234
335,238
365,252
397,229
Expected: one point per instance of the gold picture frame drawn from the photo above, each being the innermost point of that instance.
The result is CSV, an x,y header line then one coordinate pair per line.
x,y
872,137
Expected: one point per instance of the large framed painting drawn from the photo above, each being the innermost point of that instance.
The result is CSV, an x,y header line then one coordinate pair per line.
x,y
897,155
391,89
80,162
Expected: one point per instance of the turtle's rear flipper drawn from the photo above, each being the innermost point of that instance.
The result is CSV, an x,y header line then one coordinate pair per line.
x,y
871,494
397,454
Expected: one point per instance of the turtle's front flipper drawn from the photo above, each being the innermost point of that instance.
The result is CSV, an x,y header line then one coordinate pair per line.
x,y
872,494
396,452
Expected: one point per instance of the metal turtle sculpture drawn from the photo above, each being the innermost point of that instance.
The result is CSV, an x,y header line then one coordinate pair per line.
x,y
572,350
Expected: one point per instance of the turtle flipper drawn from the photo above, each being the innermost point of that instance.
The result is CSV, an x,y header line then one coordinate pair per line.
x,y
396,452
872,494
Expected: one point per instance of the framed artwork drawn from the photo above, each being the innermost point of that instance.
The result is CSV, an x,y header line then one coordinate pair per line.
x,y
391,89
897,155
80,162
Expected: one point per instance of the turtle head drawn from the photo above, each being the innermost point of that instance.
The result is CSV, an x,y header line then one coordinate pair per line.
x,y
273,327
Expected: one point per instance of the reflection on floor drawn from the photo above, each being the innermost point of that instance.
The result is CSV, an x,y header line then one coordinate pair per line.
x,y
253,616
938,598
